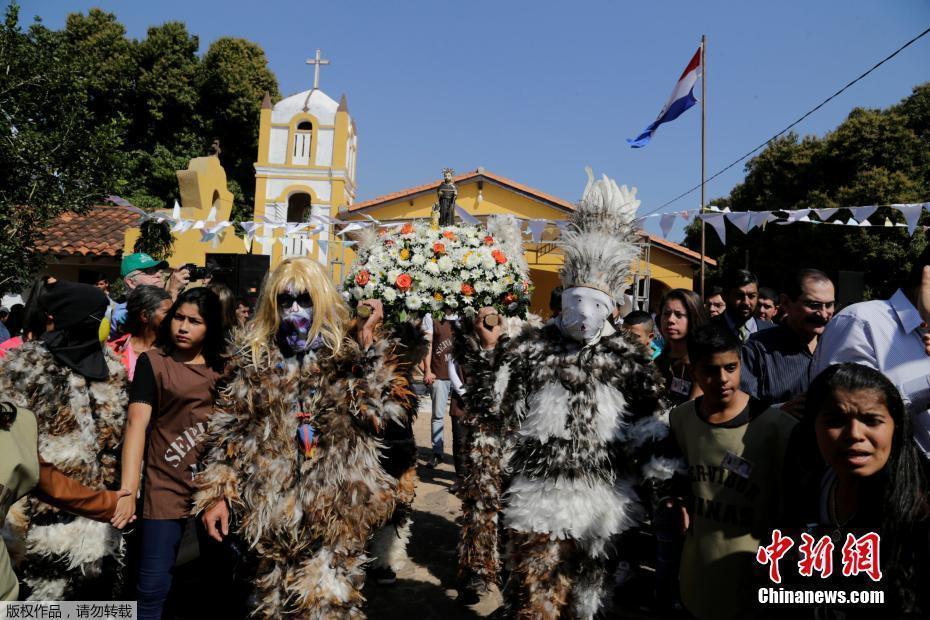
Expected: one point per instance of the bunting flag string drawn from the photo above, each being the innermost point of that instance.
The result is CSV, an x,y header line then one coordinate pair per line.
x,y
744,221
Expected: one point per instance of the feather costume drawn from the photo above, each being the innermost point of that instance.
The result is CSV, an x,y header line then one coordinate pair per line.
x,y
582,421
80,425
306,522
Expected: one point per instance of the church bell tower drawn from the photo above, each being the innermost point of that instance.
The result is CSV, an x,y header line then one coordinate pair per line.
x,y
304,171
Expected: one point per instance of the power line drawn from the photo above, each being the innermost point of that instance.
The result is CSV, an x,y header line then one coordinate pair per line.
x,y
791,126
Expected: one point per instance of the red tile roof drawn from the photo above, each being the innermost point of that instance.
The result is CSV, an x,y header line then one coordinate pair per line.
x,y
98,233
481,174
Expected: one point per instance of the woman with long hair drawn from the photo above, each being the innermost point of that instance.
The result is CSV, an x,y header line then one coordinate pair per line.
x,y
228,304
310,393
680,312
146,308
860,472
170,402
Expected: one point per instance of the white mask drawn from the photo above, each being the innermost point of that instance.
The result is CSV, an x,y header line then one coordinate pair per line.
x,y
584,312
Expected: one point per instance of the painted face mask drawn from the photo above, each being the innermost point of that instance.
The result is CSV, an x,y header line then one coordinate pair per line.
x,y
584,311
296,320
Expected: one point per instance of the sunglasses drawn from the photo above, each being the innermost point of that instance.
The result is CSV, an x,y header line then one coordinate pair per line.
x,y
817,306
286,300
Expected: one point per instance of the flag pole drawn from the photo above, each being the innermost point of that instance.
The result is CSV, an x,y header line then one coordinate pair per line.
x,y
703,146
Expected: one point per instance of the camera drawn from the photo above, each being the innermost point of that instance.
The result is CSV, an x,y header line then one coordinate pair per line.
x,y
196,272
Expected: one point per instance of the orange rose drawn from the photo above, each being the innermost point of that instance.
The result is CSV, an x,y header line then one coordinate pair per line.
x,y
509,298
362,277
406,229
449,235
439,248
499,257
404,282
467,290
489,240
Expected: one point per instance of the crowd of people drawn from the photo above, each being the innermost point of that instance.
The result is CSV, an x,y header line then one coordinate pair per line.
x,y
278,433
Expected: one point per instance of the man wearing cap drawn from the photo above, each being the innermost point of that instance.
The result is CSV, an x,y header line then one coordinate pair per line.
x,y
140,269
76,388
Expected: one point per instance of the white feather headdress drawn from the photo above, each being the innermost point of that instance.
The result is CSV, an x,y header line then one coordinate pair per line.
x,y
600,242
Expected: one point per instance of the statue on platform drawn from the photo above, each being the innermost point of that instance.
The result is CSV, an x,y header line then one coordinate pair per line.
x,y
445,205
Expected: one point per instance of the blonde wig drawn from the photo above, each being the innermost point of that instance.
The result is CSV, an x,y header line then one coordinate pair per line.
x,y
330,313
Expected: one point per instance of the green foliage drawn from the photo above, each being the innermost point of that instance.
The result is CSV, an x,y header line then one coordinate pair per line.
x,y
235,78
873,157
86,112
155,239
56,155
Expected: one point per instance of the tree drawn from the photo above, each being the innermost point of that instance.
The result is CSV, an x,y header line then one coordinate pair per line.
x,y
56,155
235,78
873,157
97,46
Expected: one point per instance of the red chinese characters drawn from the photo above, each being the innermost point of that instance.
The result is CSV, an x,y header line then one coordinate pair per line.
x,y
815,556
860,555
774,552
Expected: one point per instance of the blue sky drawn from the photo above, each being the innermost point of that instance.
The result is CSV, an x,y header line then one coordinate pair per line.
x,y
535,91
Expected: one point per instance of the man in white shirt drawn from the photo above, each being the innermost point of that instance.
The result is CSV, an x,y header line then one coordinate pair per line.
x,y
889,335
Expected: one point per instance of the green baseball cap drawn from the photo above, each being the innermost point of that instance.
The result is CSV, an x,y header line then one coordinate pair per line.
x,y
138,261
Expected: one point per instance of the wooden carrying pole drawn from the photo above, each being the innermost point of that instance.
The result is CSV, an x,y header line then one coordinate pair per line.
x,y
703,146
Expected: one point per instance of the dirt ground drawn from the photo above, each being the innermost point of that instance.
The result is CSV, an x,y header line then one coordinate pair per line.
x,y
425,587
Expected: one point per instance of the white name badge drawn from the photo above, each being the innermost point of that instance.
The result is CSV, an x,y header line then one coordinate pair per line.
x,y
680,386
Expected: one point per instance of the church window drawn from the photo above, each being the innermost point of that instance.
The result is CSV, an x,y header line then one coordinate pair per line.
x,y
302,145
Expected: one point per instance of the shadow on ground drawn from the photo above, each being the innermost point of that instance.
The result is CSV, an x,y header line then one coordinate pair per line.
x,y
432,550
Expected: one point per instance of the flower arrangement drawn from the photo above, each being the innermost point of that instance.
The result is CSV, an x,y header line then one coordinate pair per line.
x,y
415,269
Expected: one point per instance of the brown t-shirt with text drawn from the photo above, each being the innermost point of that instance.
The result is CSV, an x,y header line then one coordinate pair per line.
x,y
182,397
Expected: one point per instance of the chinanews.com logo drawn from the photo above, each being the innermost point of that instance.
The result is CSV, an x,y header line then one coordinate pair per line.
x,y
858,556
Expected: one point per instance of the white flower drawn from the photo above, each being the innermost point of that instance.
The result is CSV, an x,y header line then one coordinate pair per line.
x,y
418,259
393,274
413,302
432,268
357,292
389,294
445,264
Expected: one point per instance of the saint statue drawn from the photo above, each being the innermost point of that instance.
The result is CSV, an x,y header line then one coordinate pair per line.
x,y
447,193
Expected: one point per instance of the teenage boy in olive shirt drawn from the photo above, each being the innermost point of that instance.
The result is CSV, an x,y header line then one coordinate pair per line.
x,y
734,447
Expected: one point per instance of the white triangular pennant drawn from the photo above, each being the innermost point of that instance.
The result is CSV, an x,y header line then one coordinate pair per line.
x,y
911,215
797,214
686,215
863,213
536,229
716,220
759,218
211,217
741,220
825,214
324,248
294,227
665,223
176,211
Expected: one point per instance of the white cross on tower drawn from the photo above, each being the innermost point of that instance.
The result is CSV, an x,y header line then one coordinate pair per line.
x,y
317,62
